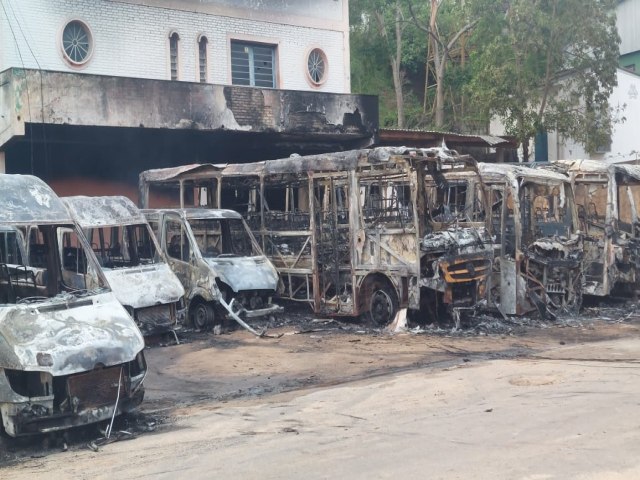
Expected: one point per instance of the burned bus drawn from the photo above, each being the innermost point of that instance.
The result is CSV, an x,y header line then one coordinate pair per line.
x,y
69,353
608,201
347,231
458,251
538,259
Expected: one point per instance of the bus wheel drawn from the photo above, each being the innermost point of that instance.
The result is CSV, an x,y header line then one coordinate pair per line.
x,y
203,315
383,304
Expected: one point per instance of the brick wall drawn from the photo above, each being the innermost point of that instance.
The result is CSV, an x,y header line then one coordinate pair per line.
x,y
131,40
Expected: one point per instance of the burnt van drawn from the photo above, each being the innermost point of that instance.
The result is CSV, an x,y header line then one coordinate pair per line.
x,y
70,354
219,263
131,259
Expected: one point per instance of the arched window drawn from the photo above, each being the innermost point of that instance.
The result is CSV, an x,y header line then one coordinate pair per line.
x,y
174,39
202,58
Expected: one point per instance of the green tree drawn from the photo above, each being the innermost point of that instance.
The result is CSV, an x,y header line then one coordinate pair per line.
x,y
383,49
411,54
442,42
546,65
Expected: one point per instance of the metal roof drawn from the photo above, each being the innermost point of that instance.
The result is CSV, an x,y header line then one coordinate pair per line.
x,y
497,170
296,164
193,213
172,173
27,200
91,212
426,137
597,166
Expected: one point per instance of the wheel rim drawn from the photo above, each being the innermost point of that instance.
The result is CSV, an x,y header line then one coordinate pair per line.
x,y
381,307
200,316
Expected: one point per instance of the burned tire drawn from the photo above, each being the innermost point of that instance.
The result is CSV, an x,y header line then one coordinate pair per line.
x,y
202,315
382,304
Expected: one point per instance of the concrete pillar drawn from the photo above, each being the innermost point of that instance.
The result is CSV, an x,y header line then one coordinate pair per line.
x,y
3,168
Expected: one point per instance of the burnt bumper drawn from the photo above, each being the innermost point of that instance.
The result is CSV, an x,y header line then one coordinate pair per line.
x,y
36,402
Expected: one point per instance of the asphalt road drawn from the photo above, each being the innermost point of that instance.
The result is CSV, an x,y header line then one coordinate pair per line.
x,y
543,408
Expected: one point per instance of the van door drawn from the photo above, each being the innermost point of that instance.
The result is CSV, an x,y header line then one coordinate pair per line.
x,y
176,246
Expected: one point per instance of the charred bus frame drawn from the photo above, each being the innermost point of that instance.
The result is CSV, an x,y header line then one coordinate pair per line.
x,y
346,230
608,201
538,260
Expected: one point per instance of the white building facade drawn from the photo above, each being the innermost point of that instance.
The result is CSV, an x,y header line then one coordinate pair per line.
x,y
96,89
284,44
625,141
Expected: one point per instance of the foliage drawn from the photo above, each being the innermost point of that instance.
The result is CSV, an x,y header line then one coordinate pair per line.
x,y
376,28
535,64
547,65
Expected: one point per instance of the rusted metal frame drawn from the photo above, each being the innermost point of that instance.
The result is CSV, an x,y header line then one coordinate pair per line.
x,y
313,210
414,177
145,185
304,273
218,204
612,215
297,259
289,235
381,247
632,204
541,284
143,194
517,219
304,283
262,208
355,223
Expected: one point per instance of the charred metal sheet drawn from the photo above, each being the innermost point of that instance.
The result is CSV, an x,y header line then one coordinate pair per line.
x,y
75,335
144,286
174,173
204,213
457,241
90,212
28,200
243,274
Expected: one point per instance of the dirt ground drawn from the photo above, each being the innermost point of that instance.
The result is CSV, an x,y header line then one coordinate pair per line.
x,y
516,399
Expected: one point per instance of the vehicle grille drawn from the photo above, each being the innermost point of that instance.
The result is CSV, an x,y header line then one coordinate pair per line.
x,y
466,270
555,288
97,387
157,315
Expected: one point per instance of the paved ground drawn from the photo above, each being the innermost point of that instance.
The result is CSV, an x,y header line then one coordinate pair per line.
x,y
335,402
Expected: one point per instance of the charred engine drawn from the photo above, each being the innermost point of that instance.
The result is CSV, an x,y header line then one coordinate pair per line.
x,y
456,263
552,270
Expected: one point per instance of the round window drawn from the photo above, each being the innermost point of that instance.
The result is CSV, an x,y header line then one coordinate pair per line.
x,y
76,42
317,66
